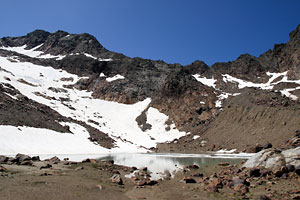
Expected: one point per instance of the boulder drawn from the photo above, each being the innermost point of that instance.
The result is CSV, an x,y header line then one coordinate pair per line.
x,y
274,159
3,159
35,158
54,160
189,180
21,158
116,178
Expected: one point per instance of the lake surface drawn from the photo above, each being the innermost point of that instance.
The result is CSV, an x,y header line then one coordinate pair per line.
x,y
159,163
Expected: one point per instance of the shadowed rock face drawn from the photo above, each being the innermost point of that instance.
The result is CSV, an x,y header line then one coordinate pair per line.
x,y
174,91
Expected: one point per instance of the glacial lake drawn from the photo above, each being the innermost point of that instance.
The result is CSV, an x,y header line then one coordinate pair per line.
x,y
160,163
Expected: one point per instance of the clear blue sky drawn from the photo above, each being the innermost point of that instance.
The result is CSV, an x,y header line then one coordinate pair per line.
x,y
176,31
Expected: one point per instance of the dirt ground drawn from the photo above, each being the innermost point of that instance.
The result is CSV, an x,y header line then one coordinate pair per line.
x,y
93,181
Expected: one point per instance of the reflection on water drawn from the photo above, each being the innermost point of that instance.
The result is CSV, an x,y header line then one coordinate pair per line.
x,y
159,163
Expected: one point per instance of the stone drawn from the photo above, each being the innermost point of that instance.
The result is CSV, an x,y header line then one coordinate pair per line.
x,y
212,189
279,172
2,169
26,162
144,169
89,160
3,159
297,170
35,158
223,164
116,178
264,197
243,189
290,168
100,187
46,166
54,160
21,157
267,146
254,172
189,180
216,182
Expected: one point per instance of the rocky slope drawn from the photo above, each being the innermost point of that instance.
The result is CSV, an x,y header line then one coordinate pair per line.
x,y
239,104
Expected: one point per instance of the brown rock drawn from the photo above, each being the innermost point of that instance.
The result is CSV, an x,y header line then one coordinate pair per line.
x,y
26,162
243,189
116,178
223,164
2,169
212,189
216,182
54,160
100,187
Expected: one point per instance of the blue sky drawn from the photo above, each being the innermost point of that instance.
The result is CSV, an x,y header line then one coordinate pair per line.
x,y
176,31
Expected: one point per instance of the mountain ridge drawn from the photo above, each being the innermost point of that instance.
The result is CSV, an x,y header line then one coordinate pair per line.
x,y
194,96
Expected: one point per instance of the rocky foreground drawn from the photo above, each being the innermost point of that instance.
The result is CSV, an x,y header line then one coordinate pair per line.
x,y
270,174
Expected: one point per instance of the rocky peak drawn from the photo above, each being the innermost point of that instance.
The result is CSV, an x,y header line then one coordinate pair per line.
x,y
295,37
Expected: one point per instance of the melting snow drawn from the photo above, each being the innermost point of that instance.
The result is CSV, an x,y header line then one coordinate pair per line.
x,y
115,119
205,81
114,78
196,137
32,52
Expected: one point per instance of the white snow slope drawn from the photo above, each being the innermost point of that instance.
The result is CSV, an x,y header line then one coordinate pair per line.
x,y
115,119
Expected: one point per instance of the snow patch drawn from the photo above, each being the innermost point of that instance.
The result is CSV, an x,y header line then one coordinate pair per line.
x,y
114,78
205,81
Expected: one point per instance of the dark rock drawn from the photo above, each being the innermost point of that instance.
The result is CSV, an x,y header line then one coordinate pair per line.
x,y
144,169
26,162
297,170
223,164
290,168
89,160
189,180
198,175
254,172
264,197
36,158
279,172
255,149
21,157
46,166
267,146
116,178
3,159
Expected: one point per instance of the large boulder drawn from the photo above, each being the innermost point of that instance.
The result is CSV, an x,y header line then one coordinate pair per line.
x,y
274,159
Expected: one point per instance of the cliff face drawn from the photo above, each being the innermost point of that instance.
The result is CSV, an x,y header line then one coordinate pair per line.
x,y
229,105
